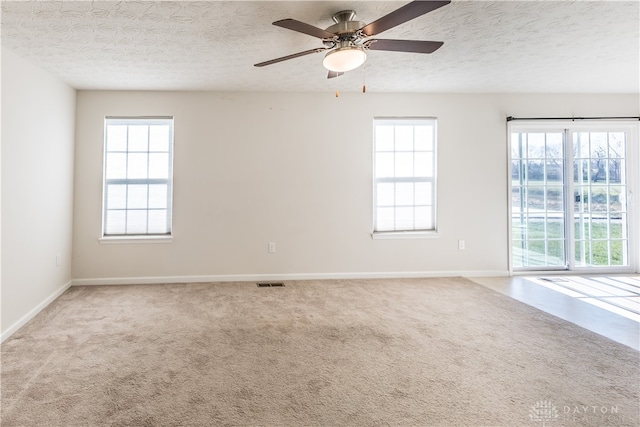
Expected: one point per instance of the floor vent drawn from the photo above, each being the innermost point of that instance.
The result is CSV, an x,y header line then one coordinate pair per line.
x,y
271,285
554,279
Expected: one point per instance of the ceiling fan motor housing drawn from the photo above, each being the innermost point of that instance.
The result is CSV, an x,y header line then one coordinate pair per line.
x,y
345,27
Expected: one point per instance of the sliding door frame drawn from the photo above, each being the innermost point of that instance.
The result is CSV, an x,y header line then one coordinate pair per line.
x,y
569,128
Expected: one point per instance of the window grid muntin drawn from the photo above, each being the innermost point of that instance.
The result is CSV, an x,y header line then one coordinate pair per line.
x,y
128,182
429,217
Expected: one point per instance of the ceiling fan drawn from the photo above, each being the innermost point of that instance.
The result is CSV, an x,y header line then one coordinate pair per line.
x,y
348,40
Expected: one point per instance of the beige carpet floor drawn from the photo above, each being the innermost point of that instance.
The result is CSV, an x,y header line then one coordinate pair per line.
x,y
414,352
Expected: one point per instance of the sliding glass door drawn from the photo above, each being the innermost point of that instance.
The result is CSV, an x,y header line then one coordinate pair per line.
x,y
570,197
537,199
600,199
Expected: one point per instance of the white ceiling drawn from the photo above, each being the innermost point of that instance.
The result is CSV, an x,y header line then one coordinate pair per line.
x,y
489,46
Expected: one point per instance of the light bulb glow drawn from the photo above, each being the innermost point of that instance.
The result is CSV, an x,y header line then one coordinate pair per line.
x,y
344,59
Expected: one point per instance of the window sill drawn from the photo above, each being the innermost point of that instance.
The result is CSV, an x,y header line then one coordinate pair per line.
x,y
116,240
386,235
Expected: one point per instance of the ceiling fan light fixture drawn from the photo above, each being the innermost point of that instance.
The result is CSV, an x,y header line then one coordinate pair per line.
x,y
344,59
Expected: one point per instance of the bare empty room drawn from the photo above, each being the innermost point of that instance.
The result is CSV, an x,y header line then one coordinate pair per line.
x,y
305,213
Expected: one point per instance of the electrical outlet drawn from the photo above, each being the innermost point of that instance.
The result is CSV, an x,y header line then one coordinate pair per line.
x,y
272,247
58,259
461,245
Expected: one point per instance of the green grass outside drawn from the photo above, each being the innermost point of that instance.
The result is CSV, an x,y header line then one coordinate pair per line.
x,y
592,243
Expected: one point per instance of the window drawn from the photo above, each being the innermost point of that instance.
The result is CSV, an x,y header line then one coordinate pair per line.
x,y
137,176
404,175
570,199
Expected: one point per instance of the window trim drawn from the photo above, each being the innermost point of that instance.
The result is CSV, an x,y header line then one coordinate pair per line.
x,y
136,238
415,233
140,237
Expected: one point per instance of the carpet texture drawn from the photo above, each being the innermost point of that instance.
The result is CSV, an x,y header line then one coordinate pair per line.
x,y
414,352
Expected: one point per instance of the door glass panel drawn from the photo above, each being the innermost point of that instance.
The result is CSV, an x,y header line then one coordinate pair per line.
x,y
537,198
594,211
599,181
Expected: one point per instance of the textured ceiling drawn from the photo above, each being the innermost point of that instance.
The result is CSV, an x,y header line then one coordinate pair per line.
x,y
489,46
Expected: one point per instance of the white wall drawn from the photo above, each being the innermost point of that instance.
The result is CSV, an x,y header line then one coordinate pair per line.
x,y
296,169
38,119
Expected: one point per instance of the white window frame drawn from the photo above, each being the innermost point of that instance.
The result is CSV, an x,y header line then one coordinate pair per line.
x,y
145,237
428,232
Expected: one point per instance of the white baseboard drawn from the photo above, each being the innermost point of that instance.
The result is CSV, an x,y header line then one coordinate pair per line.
x,y
37,309
280,277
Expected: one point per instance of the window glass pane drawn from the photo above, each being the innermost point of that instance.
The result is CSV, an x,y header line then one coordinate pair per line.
x,y
600,252
618,251
116,138
158,196
115,222
616,145
554,200
536,145
385,194
599,145
404,165
384,219
554,146
116,196
384,165
138,138
423,194
598,198
404,194
423,138
158,138
554,172
535,198
116,166
535,171
617,200
555,252
137,166
516,145
581,145
384,138
616,170
158,222
423,165
423,218
404,138
136,221
516,199
137,197
404,218
598,170
515,170
158,165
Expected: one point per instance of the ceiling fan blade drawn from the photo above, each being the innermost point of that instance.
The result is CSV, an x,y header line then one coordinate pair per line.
x,y
415,46
401,15
301,27
333,74
295,55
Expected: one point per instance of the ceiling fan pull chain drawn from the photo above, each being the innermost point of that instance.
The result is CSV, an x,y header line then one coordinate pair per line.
x,y
364,78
